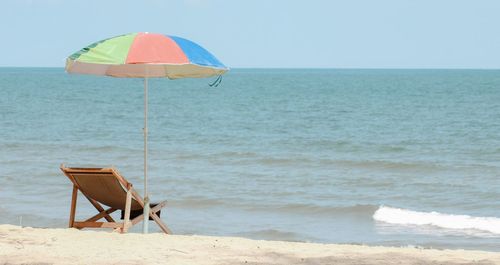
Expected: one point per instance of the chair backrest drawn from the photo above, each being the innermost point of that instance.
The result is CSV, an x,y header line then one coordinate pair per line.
x,y
104,185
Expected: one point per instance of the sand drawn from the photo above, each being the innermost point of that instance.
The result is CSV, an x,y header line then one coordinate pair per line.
x,y
70,246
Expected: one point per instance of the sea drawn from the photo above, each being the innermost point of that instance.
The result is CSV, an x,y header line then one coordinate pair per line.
x,y
353,156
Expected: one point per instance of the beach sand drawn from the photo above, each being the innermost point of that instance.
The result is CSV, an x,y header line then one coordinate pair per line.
x,y
70,246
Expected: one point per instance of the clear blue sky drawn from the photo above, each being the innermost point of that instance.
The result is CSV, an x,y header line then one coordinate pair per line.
x,y
267,33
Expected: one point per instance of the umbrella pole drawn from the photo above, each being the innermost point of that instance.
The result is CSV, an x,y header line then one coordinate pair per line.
x,y
146,194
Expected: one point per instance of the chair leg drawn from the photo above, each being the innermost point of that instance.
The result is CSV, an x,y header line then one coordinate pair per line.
x,y
160,223
155,217
152,213
100,209
101,215
126,219
74,196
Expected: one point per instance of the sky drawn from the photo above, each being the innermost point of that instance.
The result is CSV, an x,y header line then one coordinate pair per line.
x,y
266,33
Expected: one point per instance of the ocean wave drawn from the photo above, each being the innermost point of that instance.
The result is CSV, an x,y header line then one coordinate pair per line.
x,y
383,165
273,234
441,220
283,161
217,155
309,209
197,203
390,165
364,210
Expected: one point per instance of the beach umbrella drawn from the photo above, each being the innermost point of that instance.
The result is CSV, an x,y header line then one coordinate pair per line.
x,y
146,55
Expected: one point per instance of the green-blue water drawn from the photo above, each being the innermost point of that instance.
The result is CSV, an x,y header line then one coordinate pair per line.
x,y
306,155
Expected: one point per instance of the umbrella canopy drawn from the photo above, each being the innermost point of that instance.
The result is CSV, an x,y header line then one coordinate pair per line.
x,y
145,55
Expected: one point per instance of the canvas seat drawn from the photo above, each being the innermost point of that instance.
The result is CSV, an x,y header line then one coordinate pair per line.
x,y
105,186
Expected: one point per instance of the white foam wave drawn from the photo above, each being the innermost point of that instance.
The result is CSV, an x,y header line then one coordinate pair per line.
x,y
448,221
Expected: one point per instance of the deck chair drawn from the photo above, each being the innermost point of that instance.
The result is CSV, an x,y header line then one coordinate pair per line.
x,y
105,186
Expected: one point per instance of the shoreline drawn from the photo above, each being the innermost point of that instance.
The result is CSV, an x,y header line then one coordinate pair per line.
x,y
70,246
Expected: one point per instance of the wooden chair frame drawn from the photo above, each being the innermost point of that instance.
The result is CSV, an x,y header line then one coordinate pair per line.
x,y
121,227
